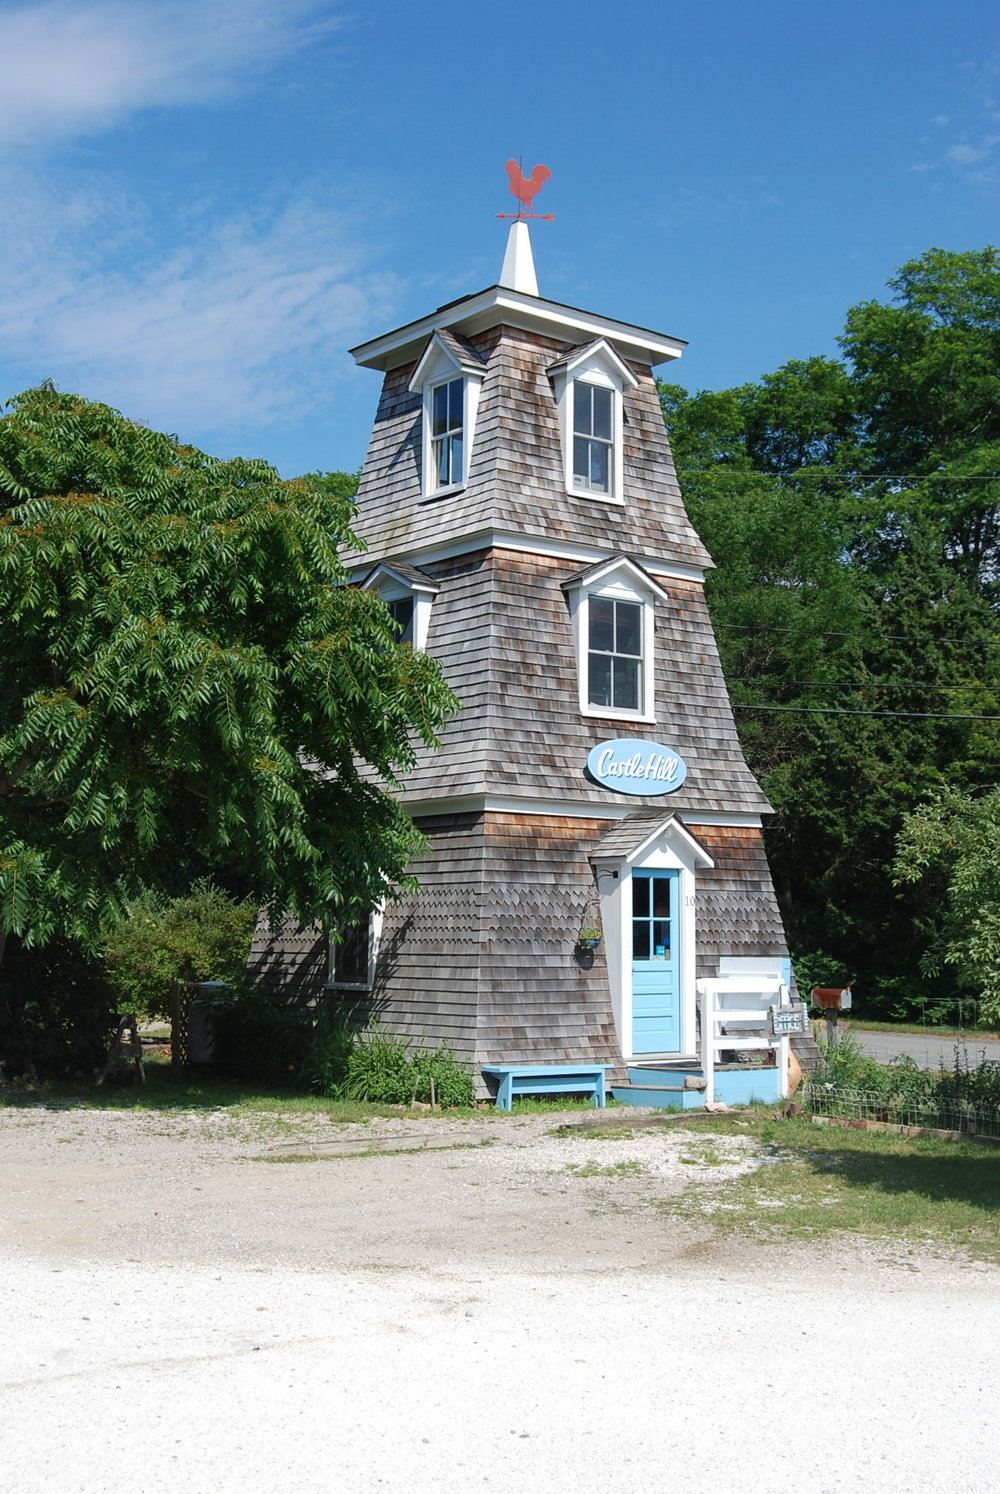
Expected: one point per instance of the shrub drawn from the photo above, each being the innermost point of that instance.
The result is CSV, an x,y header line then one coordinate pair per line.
x,y
379,1069
203,935
331,1042
453,1084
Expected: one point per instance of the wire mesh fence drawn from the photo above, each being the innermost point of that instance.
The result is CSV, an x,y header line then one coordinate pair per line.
x,y
973,1118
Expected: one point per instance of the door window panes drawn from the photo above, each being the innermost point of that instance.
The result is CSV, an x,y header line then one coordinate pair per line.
x,y
651,930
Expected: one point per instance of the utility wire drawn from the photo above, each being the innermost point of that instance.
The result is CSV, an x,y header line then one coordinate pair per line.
x,y
751,679
838,711
825,633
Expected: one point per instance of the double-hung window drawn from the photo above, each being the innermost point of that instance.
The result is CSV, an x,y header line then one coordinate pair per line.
x,y
448,378
590,384
353,952
447,432
612,607
615,654
593,439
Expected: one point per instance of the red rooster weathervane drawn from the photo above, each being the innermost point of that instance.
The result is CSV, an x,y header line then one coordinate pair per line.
x,y
524,188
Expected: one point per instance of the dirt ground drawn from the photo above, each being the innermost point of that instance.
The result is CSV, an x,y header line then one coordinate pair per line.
x,y
194,1302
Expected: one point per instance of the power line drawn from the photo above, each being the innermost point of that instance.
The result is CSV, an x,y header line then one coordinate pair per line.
x,y
839,711
825,633
750,679
831,476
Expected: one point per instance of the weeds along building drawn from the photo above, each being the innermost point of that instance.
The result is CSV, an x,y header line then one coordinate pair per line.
x,y
523,521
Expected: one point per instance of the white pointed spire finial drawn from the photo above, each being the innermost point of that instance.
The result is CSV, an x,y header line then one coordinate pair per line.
x,y
518,269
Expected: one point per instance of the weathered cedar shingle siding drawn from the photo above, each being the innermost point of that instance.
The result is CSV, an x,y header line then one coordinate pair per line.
x,y
516,481
501,630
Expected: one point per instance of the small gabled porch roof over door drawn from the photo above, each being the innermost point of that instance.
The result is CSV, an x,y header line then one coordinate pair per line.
x,y
631,837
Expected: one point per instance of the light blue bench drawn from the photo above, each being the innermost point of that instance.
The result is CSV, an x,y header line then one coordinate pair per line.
x,y
546,1079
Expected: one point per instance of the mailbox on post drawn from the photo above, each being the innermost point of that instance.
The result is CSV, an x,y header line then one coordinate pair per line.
x,y
832,1000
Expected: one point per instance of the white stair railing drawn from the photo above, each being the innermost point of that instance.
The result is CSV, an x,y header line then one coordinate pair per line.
x,y
741,1001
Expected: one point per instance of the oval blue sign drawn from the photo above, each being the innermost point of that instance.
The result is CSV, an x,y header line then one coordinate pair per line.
x,y
631,766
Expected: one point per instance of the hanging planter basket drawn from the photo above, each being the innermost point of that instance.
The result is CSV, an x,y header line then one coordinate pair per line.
x,y
589,939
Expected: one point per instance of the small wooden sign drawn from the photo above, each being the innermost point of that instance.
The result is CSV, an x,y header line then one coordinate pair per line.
x,y
788,1019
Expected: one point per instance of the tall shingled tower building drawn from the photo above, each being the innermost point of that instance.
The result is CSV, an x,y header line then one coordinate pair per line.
x,y
523,521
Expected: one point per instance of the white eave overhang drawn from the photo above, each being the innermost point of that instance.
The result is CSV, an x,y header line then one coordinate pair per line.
x,y
498,304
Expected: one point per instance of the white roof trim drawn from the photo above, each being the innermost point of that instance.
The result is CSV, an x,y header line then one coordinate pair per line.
x,y
535,544
487,308
600,572
438,348
670,825
598,348
387,569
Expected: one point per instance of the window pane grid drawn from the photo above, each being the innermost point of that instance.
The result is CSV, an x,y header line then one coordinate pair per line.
x,y
592,440
615,654
447,417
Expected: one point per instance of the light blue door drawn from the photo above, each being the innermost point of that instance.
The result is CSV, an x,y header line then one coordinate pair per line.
x,y
655,951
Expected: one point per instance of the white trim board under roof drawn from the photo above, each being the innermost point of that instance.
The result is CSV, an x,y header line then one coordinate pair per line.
x,y
488,308
530,544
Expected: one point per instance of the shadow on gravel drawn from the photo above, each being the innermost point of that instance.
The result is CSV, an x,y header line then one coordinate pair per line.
x,y
167,1089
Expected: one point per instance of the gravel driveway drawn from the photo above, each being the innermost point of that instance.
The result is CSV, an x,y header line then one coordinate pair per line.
x,y
188,1308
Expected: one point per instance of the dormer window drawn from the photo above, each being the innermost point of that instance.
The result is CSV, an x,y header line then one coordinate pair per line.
x,y
590,386
409,594
613,610
401,612
449,376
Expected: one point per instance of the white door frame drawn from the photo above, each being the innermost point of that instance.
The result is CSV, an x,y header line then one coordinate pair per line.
x,y
669,848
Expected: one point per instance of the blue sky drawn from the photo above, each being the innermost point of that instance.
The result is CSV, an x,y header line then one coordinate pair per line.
x,y
203,205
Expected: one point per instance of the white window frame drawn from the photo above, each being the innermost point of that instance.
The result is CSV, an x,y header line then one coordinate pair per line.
x,y
392,587
439,365
619,581
600,366
374,935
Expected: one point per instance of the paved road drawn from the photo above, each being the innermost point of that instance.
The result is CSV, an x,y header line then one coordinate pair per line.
x,y
927,1049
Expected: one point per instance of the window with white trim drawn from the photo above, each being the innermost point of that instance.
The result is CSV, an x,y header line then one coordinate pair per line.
x,y
353,952
448,377
409,596
614,654
401,612
612,607
590,386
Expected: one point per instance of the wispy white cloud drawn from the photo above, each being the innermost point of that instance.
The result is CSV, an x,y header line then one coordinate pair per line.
x,y
71,67
243,320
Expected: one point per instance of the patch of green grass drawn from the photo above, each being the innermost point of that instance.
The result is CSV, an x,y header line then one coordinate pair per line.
x,y
532,1105
705,1155
823,1180
599,1131
606,1169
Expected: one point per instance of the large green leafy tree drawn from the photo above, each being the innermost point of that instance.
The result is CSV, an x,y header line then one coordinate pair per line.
x,y
186,682
851,508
